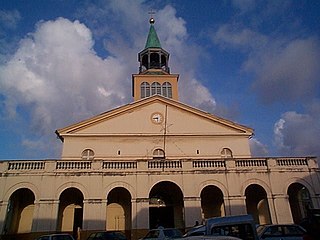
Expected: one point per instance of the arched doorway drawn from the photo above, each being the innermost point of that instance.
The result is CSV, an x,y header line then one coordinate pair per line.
x,y
119,209
212,204
20,212
299,200
257,204
70,215
166,207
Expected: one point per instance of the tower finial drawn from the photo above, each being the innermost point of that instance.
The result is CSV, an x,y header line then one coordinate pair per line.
x,y
151,12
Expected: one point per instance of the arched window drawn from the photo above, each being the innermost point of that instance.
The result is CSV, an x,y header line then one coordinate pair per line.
x,y
155,88
226,153
167,90
87,154
145,89
158,154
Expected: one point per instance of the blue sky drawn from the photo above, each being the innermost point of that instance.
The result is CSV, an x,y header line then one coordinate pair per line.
x,y
253,62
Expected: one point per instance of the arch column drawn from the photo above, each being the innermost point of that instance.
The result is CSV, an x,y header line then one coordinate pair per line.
x,y
3,213
140,218
272,210
237,205
282,209
45,215
94,214
192,211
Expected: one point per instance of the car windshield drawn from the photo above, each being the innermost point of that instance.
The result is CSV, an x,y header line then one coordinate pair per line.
x,y
153,234
260,229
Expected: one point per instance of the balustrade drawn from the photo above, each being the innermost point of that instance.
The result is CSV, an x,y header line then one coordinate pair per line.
x,y
163,164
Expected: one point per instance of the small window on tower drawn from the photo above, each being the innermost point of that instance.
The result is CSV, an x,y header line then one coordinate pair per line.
x,y
167,90
87,154
155,88
226,153
145,90
158,154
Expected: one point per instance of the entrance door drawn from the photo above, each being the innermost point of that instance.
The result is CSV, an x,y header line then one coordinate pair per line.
x,y
166,206
161,216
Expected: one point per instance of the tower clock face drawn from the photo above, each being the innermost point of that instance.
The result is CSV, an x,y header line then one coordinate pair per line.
x,y
157,118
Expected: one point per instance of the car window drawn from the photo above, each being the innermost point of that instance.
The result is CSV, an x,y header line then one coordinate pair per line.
x,y
273,231
43,238
119,235
172,233
243,231
153,234
293,231
91,237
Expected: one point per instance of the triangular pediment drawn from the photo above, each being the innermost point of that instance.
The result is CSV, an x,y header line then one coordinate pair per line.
x,y
141,118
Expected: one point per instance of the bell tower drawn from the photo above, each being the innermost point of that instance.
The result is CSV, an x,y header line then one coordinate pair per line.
x,y
154,73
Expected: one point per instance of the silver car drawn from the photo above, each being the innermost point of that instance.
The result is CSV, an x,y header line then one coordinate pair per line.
x,y
163,233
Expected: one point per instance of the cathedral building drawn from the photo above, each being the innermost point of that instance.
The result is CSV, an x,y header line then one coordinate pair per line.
x,y
155,161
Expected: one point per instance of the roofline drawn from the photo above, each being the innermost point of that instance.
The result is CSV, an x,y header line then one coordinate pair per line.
x,y
123,108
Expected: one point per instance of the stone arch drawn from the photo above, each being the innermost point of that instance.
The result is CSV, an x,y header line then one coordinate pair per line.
x,y
119,208
257,203
249,182
216,183
70,212
298,180
166,205
300,201
67,185
20,211
20,185
113,185
212,202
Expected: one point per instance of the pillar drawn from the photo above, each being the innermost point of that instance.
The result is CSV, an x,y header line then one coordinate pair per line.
x,y
282,209
45,215
94,214
192,211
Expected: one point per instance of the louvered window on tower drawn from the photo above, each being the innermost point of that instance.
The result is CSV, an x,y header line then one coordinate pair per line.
x,y
145,90
155,88
167,90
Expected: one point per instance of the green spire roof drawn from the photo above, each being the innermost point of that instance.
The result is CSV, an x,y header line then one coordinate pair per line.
x,y
152,40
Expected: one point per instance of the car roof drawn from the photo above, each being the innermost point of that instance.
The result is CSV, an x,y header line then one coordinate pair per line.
x,y
228,220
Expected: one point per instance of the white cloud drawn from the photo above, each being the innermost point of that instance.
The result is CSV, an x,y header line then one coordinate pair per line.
x,y
257,148
56,75
287,72
56,78
297,134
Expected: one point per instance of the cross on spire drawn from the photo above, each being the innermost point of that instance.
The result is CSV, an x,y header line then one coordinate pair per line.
x,y
151,13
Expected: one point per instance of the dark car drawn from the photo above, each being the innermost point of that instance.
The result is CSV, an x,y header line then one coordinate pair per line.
x,y
281,231
107,235
58,236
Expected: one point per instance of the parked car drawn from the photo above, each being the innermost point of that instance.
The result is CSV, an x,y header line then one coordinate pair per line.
x,y
57,236
240,226
211,237
107,235
281,231
163,233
